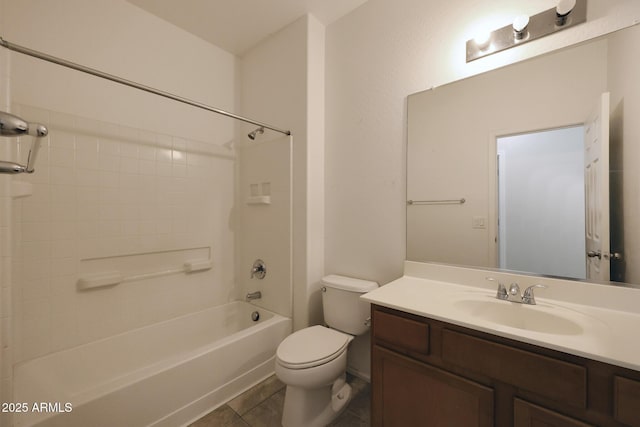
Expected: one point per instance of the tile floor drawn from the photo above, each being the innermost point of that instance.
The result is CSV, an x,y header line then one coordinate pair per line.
x,y
262,405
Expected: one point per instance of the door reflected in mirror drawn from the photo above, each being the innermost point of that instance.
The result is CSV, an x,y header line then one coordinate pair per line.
x,y
541,206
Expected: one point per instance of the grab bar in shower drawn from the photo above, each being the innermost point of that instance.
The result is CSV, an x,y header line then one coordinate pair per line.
x,y
112,278
11,125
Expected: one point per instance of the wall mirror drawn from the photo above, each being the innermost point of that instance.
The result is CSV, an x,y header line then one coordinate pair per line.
x,y
532,167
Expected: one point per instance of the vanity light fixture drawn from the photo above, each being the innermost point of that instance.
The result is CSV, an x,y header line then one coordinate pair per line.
x,y
525,29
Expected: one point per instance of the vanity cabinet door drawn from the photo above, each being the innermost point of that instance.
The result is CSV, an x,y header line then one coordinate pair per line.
x,y
626,400
526,414
411,393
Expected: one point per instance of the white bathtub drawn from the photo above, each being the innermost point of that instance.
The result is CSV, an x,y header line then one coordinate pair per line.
x,y
166,374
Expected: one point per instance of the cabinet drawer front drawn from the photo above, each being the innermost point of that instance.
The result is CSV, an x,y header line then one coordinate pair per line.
x,y
526,414
405,334
556,379
410,393
626,401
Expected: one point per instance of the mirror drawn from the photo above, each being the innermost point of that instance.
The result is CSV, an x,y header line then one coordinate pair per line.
x,y
453,186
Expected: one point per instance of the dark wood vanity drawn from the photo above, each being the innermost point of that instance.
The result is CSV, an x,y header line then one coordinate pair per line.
x,y
426,372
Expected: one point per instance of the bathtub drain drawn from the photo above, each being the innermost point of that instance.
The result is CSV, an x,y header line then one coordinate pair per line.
x,y
255,316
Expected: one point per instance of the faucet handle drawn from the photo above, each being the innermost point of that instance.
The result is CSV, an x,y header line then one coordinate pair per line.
x,y
528,297
502,291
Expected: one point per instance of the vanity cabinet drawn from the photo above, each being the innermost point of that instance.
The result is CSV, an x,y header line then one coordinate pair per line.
x,y
431,373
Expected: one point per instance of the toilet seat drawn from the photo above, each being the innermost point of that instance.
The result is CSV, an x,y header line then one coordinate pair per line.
x,y
311,347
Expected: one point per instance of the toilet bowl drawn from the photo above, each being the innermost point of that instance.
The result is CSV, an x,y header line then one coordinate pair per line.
x,y
312,362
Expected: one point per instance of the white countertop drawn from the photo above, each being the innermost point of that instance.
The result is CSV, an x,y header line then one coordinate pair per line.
x,y
599,332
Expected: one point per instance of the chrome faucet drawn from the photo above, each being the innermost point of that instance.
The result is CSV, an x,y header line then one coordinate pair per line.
x,y
514,295
254,295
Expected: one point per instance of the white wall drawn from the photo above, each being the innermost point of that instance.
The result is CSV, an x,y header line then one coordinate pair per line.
x,y
283,84
126,180
376,57
118,38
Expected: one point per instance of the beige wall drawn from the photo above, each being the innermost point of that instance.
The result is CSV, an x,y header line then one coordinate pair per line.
x,y
625,134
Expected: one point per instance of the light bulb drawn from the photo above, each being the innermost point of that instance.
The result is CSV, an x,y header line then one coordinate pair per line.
x,y
563,10
520,24
482,39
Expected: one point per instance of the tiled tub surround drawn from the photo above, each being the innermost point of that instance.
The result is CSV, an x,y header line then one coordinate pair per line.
x,y
111,200
166,374
107,197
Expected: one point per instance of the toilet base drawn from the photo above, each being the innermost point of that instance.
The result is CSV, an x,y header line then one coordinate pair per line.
x,y
316,407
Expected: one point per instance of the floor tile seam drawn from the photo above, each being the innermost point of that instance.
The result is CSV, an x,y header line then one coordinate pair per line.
x,y
259,403
234,411
354,413
245,421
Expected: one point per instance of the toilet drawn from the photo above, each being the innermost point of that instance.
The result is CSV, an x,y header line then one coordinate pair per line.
x,y
312,362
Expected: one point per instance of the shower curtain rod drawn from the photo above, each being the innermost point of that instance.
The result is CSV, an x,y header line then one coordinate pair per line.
x,y
34,53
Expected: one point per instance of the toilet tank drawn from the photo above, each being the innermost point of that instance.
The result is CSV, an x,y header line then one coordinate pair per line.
x,y
343,309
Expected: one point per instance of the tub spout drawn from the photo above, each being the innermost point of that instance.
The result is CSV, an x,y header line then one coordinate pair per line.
x,y
254,295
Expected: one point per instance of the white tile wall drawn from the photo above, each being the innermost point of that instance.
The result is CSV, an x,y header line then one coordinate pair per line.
x,y
135,200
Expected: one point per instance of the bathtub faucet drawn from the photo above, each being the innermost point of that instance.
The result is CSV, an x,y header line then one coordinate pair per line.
x,y
254,295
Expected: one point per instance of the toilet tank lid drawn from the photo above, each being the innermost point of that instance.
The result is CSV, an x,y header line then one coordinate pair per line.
x,y
348,283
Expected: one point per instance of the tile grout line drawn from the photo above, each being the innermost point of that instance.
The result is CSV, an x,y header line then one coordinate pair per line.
x,y
238,415
242,417
267,398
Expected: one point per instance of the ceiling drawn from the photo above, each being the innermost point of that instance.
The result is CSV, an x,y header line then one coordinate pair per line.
x,y
237,25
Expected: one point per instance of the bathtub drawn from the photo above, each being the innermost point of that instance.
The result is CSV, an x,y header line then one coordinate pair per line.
x,y
166,374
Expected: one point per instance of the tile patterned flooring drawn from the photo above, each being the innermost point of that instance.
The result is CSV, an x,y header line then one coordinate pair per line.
x,y
261,406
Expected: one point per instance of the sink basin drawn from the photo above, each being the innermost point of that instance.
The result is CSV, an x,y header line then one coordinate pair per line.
x,y
535,318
